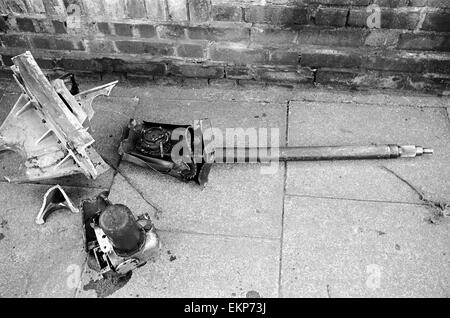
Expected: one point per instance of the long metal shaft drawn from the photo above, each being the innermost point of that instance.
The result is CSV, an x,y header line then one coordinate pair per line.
x,y
247,154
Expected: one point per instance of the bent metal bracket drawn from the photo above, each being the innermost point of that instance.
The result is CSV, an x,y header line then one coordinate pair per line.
x,y
48,126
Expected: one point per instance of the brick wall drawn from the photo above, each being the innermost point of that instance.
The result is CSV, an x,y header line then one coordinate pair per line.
x,y
279,41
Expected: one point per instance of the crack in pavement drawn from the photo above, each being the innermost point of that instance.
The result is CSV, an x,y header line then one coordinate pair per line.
x,y
158,210
438,208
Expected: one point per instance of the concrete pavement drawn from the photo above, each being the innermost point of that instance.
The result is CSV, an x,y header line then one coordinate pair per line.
x,y
310,229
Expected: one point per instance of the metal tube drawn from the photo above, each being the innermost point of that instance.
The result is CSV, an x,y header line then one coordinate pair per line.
x,y
252,155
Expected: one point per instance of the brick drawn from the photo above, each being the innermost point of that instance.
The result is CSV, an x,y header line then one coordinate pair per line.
x,y
52,43
12,40
419,3
336,76
394,62
44,26
59,26
393,19
123,29
146,31
317,58
284,57
382,38
25,25
42,43
199,10
393,3
68,45
156,9
226,13
190,50
430,3
291,75
177,10
273,36
332,37
437,21
436,64
46,64
174,32
196,71
133,67
103,27
100,46
339,2
238,72
276,15
239,55
390,18
136,9
79,64
331,16
137,47
426,42
4,25
358,18
219,34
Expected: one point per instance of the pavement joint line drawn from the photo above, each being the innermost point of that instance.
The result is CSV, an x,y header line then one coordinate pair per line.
x,y
292,100
222,235
283,203
265,101
84,267
364,104
353,199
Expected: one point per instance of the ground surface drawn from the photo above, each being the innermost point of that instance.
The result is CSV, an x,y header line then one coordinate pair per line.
x,y
316,229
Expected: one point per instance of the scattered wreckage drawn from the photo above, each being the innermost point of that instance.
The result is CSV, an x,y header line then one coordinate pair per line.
x,y
48,126
188,152
115,240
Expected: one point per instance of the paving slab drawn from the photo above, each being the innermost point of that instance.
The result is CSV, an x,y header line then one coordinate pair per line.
x,y
238,200
223,115
197,266
39,260
314,124
341,248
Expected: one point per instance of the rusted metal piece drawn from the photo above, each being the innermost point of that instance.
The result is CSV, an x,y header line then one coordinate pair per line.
x,y
156,146
48,126
115,240
54,199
